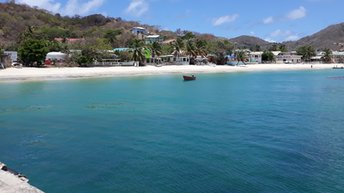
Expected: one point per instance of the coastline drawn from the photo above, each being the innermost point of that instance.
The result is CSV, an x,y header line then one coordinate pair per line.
x,y
41,74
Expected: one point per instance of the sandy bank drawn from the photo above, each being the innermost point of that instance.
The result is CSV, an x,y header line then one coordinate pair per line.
x,y
21,74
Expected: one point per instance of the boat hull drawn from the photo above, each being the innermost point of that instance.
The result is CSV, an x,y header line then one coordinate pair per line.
x,y
189,78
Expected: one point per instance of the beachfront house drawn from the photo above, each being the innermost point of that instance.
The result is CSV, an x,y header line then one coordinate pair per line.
x,y
174,60
255,57
288,58
8,59
12,54
139,32
318,58
338,56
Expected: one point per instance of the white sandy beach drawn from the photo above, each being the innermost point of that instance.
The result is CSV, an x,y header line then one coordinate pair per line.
x,y
22,74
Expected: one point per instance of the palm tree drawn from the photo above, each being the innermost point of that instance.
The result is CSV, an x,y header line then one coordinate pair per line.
x,y
191,51
201,48
178,46
156,49
190,48
241,56
327,58
307,52
138,51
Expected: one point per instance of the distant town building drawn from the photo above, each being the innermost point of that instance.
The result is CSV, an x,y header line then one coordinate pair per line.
x,y
153,38
12,54
338,56
140,32
288,58
255,57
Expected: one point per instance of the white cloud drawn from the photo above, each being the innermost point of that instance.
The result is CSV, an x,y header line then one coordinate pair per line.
x,y
49,5
279,32
268,20
270,40
137,7
282,35
225,19
297,13
72,7
292,38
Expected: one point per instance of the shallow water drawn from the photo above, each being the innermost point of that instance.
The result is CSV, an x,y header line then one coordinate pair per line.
x,y
239,132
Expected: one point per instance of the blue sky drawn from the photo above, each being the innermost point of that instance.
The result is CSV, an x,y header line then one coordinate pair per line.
x,y
268,19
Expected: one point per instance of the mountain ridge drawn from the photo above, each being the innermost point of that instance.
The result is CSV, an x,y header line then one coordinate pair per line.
x,y
16,18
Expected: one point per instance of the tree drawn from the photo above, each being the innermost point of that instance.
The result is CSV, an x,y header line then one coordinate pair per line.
x,y
220,58
178,46
268,56
190,48
201,47
327,57
274,47
111,36
91,50
278,47
188,36
283,48
33,51
1,56
241,56
155,49
138,51
257,48
307,52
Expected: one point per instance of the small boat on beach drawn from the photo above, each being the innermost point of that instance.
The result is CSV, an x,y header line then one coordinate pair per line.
x,y
188,78
337,67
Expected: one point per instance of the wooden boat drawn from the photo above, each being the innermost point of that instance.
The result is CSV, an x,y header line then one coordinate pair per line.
x,y
188,78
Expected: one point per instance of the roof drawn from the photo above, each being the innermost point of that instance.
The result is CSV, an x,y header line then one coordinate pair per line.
x,y
121,49
56,54
256,53
153,36
336,53
141,28
316,57
276,53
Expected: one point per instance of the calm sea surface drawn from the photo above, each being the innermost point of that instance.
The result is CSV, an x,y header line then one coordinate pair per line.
x,y
241,132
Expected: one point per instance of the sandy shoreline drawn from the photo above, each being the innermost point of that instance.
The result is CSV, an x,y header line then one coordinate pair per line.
x,y
34,74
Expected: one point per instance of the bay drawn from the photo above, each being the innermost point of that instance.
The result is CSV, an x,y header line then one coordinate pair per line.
x,y
236,132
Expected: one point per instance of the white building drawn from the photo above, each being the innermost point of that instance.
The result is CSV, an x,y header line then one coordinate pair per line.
x,y
140,32
12,54
338,57
58,56
153,38
288,58
255,57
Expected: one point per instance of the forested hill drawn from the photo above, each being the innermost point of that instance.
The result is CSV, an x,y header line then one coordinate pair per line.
x,y
16,19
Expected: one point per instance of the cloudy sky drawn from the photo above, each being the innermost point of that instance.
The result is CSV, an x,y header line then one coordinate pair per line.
x,y
273,20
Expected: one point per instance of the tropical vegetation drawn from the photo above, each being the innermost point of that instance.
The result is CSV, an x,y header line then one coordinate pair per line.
x,y
327,57
307,52
268,57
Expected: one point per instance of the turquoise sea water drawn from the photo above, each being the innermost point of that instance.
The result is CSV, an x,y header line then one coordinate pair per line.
x,y
241,132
